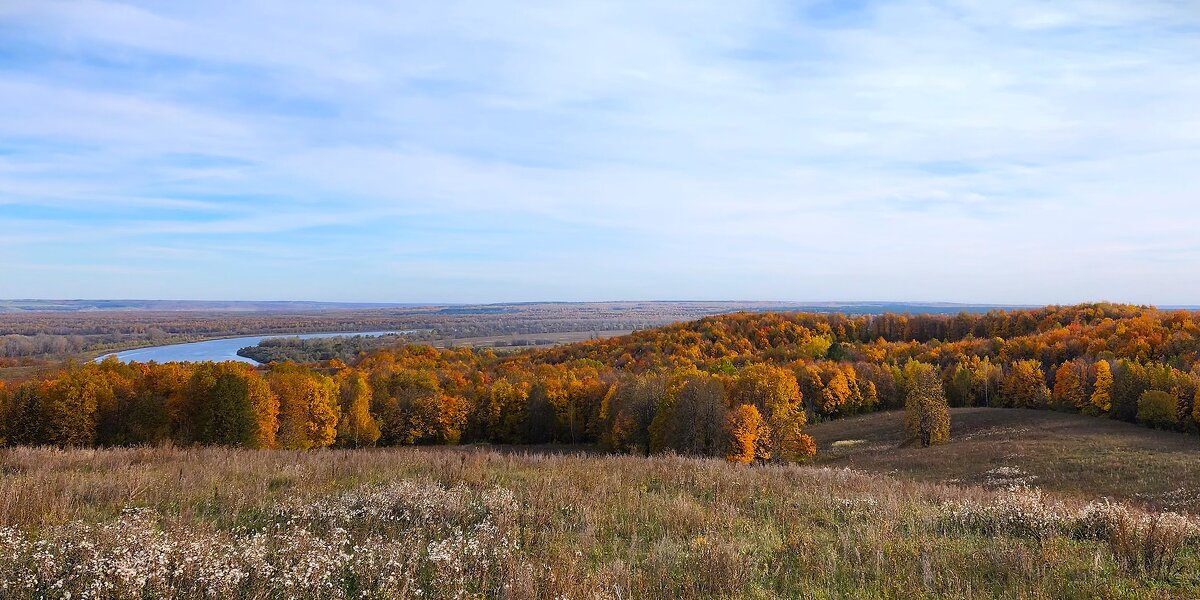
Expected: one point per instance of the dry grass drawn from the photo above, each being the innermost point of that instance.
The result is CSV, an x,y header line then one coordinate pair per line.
x,y
1074,455
477,523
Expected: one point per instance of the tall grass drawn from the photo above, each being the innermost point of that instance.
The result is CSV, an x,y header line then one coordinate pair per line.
x,y
468,523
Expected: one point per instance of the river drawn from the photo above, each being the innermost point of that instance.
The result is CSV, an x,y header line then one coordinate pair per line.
x,y
222,349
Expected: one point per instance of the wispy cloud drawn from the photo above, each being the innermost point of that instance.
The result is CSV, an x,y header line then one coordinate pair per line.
x,y
920,149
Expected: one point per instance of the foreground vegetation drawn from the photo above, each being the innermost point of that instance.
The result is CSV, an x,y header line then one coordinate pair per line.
x,y
447,523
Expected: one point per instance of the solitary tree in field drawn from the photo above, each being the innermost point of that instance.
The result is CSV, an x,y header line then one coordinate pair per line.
x,y
1102,392
926,412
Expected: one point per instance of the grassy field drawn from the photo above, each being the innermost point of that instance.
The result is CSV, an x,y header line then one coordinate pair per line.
x,y
1075,455
478,523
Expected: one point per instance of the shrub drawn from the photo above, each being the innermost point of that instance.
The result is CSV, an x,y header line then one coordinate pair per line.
x,y
1157,409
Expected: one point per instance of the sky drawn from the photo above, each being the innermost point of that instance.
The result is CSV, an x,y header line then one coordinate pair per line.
x,y
460,151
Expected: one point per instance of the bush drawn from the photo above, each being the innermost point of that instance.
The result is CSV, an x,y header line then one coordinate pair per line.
x,y
1157,409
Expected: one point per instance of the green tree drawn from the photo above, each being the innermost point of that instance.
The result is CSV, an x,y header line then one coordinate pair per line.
x,y
959,386
1156,408
1130,381
217,408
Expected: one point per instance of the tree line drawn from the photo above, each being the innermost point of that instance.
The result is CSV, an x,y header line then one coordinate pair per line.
x,y
741,386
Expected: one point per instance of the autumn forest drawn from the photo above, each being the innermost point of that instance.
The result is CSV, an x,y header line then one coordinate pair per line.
x,y
741,386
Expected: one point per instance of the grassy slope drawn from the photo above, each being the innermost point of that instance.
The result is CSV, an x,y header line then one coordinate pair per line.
x,y
584,526
1070,454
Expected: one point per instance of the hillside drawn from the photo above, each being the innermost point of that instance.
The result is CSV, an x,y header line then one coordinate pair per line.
x,y
1065,453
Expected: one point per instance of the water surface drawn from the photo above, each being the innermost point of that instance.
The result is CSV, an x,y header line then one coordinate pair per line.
x,y
223,349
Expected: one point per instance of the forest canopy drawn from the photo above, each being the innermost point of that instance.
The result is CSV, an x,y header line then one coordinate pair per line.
x,y
740,386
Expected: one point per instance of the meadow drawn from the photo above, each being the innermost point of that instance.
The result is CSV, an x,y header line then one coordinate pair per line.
x,y
1068,454
479,522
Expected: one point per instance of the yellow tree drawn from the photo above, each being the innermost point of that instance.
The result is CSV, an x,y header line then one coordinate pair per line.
x,y
356,426
1156,409
776,394
1070,386
265,405
308,409
1101,399
926,412
1196,406
747,431
1025,386
68,407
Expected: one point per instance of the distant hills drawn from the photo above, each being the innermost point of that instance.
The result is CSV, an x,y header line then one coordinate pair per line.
x,y
702,307
38,305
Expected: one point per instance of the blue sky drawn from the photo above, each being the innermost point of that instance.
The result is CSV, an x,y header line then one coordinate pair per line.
x,y
997,152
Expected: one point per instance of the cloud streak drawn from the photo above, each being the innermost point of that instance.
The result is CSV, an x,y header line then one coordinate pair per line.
x,y
923,150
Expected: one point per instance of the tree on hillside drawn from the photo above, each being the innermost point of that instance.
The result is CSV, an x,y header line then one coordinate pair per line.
x,y
1101,400
405,403
1130,381
630,411
747,435
22,419
540,422
1196,406
308,407
926,412
356,426
959,385
1025,386
68,407
225,404
691,421
776,394
1070,386
504,410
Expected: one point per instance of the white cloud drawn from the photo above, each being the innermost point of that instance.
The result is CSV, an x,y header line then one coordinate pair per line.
x,y
896,152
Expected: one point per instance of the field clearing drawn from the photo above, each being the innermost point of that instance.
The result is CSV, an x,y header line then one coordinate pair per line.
x,y
476,523
1077,455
